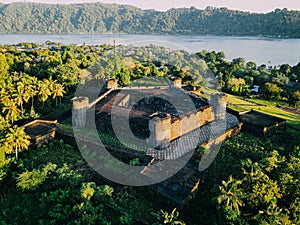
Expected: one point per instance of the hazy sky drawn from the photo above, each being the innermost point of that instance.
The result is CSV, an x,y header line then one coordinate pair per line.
x,y
245,5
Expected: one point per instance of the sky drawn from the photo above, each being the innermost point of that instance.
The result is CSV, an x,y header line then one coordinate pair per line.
x,y
163,5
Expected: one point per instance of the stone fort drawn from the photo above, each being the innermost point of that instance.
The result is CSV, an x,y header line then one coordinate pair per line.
x,y
155,119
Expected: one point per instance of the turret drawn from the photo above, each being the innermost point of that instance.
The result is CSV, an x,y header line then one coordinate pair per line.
x,y
176,82
219,102
160,131
79,111
111,84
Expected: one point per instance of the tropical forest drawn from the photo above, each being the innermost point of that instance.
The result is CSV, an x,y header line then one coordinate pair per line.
x,y
253,180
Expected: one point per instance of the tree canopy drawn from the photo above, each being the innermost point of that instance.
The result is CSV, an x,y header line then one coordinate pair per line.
x,y
112,18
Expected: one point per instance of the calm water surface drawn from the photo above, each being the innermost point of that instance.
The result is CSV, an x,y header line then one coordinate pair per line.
x,y
261,50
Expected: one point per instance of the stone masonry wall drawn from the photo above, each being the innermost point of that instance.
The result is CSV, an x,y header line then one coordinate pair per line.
x,y
164,130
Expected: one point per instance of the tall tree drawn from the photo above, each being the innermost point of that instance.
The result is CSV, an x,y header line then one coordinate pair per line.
x,y
11,109
230,198
270,90
44,90
58,92
20,95
16,140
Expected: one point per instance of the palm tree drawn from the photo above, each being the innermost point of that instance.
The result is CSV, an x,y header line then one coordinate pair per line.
x,y
16,140
252,171
3,124
19,95
6,86
28,85
230,195
2,87
2,154
11,109
164,217
51,83
58,91
44,90
32,83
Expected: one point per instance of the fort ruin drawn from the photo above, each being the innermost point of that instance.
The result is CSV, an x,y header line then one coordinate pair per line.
x,y
154,117
168,132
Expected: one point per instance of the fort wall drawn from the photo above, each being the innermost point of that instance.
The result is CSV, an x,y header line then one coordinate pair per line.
x,y
227,134
191,121
164,130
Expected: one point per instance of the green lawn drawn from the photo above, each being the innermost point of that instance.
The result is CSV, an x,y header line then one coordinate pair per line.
x,y
268,102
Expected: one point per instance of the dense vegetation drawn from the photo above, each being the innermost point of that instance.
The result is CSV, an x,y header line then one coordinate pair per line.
x,y
252,180
239,77
102,18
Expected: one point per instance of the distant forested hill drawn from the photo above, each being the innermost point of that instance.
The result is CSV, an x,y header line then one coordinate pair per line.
x,y
104,18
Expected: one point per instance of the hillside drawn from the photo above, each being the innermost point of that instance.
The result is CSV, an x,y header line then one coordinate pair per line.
x,y
111,18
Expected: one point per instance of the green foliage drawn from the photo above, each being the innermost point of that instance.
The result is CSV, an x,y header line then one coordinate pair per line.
x,y
262,192
3,64
4,168
126,219
270,91
66,175
295,99
230,198
164,217
237,86
102,18
3,124
87,191
59,193
31,180
2,154
123,77
66,205
135,162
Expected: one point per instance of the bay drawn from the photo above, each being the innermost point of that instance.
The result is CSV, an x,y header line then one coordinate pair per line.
x,y
262,50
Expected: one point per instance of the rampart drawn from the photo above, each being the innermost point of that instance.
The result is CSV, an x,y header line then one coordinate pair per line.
x,y
164,130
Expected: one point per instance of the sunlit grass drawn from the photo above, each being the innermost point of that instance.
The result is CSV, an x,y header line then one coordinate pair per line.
x,y
268,107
